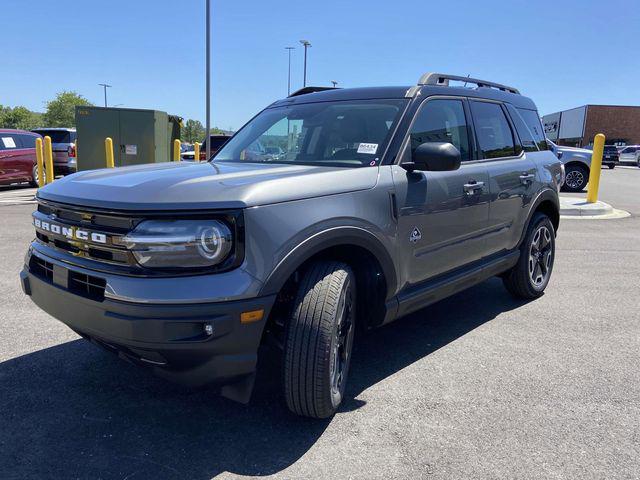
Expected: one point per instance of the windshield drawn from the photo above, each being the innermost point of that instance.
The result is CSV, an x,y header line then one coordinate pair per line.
x,y
344,134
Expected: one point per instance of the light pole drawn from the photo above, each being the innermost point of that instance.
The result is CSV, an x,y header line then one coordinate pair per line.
x,y
105,86
289,76
334,83
208,87
306,44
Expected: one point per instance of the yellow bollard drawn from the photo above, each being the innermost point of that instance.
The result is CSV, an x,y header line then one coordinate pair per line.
x,y
196,152
108,152
39,162
596,166
48,159
176,150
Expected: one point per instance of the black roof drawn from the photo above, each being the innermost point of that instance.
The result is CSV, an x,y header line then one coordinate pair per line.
x,y
364,93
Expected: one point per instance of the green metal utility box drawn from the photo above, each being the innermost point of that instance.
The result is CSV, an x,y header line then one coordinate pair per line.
x,y
139,136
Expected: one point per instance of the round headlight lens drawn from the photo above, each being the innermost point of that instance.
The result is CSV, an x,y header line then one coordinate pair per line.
x,y
180,243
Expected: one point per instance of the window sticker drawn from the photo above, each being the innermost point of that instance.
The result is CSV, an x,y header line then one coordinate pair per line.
x,y
8,142
369,148
131,149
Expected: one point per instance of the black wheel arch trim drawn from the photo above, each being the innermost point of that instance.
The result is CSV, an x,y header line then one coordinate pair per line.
x,y
545,195
333,237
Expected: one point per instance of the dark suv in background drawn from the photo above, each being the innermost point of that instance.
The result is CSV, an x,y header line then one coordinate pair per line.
x,y
379,201
63,144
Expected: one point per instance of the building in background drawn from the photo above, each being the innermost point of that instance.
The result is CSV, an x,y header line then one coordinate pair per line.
x,y
577,127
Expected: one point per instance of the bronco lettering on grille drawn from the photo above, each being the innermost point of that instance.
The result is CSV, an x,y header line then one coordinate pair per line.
x,y
70,232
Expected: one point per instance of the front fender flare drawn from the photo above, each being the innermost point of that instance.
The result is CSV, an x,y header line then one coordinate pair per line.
x,y
328,238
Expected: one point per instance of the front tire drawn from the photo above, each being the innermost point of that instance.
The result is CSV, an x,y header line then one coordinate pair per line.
x,y
530,276
319,339
576,178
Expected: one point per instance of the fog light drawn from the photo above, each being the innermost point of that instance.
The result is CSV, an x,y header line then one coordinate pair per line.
x,y
208,329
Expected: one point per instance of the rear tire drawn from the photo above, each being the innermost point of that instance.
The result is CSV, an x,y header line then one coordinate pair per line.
x,y
34,177
530,276
319,339
576,178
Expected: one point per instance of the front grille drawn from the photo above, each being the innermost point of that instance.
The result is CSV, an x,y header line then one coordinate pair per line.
x,y
81,284
86,285
110,227
41,268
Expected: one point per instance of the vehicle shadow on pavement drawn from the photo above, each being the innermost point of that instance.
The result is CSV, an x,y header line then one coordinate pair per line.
x,y
72,411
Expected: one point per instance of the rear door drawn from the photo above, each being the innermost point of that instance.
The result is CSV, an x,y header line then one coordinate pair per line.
x,y
443,216
512,175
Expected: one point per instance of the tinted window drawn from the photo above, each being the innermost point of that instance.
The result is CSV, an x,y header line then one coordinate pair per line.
x,y
532,120
28,141
526,137
9,141
492,130
441,121
58,136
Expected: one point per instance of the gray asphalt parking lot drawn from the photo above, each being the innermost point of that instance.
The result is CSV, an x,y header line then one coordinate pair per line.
x,y
476,386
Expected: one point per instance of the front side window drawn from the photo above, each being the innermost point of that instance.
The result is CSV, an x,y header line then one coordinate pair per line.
x,y
492,130
441,121
337,134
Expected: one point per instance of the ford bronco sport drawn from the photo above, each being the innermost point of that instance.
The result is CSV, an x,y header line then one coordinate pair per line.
x,y
384,200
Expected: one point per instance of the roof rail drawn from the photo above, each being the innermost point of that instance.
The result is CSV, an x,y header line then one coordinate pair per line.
x,y
443,79
305,90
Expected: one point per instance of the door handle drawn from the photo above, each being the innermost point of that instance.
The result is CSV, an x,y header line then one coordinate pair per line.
x,y
472,187
527,178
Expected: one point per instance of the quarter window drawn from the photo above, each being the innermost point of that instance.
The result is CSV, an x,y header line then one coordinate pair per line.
x,y
441,121
493,131
526,137
532,120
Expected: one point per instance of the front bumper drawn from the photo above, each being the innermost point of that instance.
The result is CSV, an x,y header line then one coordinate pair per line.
x,y
168,338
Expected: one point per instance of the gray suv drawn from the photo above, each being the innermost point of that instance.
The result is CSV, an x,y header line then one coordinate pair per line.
x,y
63,146
382,201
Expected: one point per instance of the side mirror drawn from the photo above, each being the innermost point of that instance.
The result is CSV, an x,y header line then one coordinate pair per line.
x,y
434,157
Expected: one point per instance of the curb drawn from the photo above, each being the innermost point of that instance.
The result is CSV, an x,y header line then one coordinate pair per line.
x,y
578,208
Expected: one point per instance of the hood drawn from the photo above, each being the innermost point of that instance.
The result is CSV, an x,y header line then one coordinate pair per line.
x,y
575,150
191,186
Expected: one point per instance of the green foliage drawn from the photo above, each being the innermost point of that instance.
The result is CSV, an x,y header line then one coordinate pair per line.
x,y
192,131
61,111
19,117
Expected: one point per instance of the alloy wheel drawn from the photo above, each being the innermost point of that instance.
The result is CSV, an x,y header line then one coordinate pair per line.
x,y
540,256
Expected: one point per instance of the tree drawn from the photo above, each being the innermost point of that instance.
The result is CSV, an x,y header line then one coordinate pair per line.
x,y
193,131
61,112
18,117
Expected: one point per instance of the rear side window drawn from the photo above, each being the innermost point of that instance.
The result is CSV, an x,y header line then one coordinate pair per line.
x,y
441,121
526,137
532,120
492,130
28,141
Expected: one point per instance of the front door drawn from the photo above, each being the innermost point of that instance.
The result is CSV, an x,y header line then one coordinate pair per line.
x,y
442,216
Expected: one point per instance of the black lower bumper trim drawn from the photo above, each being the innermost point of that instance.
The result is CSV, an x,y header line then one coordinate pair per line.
x,y
170,339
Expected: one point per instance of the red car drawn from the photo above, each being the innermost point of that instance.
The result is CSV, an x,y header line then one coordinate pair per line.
x,y
18,157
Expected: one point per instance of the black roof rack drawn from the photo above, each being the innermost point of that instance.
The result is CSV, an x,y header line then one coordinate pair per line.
x,y
443,79
305,90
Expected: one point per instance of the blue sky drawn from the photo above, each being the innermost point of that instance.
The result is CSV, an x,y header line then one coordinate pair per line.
x,y
561,53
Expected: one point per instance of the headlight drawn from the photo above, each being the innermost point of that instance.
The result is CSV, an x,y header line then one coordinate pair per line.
x,y
180,243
